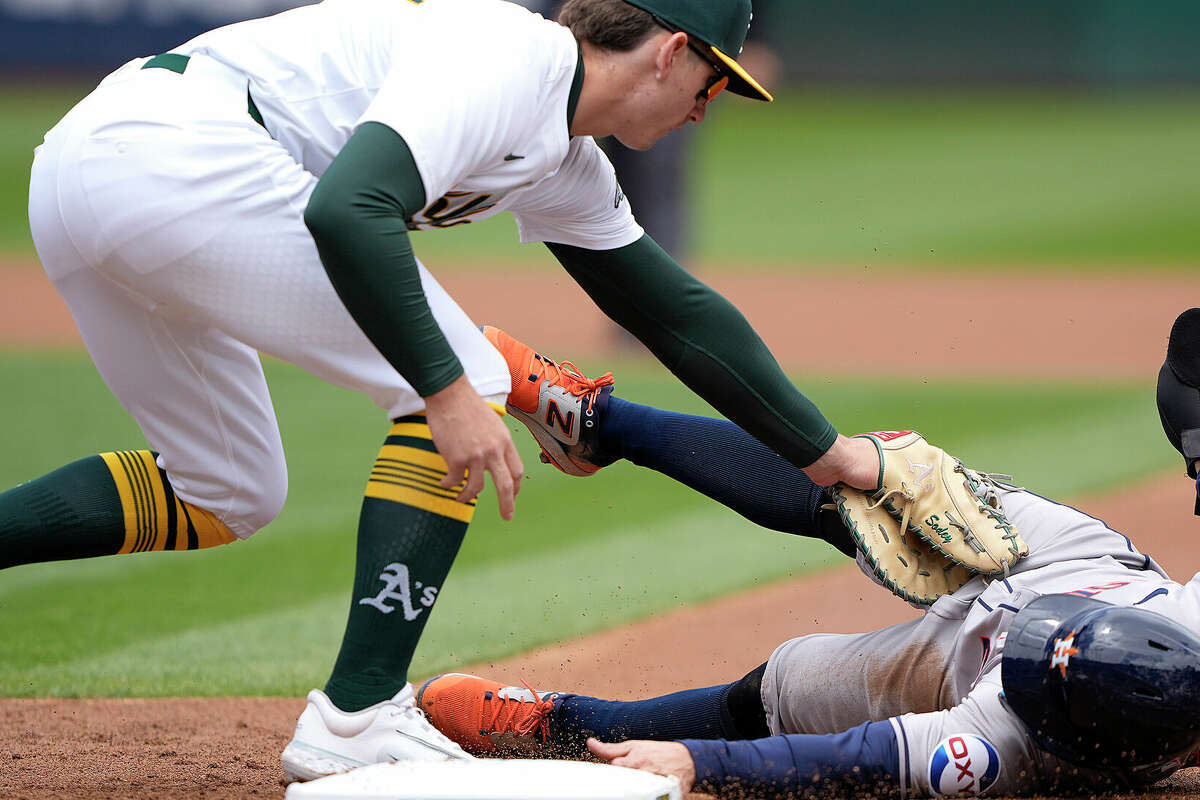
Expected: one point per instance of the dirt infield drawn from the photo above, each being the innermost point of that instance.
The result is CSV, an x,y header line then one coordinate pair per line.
x,y
1067,327
1075,326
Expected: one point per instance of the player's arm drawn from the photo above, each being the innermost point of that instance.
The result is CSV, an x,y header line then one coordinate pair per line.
x,y
862,760
704,340
358,216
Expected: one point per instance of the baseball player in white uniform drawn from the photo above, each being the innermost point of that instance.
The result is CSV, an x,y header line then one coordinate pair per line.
x,y
253,191
1100,650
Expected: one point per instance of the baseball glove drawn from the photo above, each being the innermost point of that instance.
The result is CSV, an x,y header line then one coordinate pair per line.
x,y
954,509
901,559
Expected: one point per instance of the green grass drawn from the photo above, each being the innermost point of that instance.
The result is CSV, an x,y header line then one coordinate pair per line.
x,y
887,179
955,179
264,616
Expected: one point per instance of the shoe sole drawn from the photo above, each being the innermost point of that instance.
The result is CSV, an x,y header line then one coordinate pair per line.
x,y
302,762
552,447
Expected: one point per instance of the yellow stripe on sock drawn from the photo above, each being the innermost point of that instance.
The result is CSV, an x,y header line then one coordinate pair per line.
x,y
125,491
157,502
137,491
181,525
411,476
210,531
144,496
417,430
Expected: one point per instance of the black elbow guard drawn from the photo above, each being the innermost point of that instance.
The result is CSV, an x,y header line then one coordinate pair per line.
x,y
744,705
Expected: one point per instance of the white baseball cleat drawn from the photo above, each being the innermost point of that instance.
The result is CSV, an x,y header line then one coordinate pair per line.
x,y
328,740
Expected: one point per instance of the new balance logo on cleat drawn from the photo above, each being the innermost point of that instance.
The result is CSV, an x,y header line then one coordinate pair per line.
x,y
554,416
397,587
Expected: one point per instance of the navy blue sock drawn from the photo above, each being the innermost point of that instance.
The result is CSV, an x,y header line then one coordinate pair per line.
x,y
719,459
691,714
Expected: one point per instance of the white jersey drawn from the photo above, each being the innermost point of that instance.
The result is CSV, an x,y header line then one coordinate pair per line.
x,y
979,744
478,89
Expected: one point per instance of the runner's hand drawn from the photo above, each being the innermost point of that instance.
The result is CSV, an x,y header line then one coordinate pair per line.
x,y
661,758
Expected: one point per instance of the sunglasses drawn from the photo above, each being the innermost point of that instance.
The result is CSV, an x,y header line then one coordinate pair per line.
x,y
720,79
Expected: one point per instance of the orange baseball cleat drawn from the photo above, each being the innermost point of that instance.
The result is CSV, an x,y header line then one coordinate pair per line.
x,y
488,718
556,402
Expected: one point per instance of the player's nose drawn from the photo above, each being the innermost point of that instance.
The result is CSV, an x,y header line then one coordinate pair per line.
x,y
698,111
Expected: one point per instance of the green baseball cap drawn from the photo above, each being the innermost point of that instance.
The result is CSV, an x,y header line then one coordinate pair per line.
x,y
720,26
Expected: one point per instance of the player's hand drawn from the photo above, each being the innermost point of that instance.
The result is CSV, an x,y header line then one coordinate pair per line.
x,y
854,462
661,758
473,439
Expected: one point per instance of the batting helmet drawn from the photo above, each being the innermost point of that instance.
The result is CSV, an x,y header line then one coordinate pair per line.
x,y
1102,685
1179,391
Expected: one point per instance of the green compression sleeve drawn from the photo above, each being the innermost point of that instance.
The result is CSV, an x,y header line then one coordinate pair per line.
x,y
358,216
704,340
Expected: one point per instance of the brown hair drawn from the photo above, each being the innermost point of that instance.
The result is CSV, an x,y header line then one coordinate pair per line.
x,y
610,24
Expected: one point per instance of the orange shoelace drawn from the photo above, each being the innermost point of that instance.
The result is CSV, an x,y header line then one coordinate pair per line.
x,y
568,376
536,721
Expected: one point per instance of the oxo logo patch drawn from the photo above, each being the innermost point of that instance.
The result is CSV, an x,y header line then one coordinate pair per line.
x,y
963,765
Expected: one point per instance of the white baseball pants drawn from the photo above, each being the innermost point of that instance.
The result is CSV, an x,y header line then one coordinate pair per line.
x,y
172,225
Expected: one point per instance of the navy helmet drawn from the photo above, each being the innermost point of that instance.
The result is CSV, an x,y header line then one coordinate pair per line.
x,y
1103,686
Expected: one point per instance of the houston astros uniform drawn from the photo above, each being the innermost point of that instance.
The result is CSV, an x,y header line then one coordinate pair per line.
x,y
174,292
936,680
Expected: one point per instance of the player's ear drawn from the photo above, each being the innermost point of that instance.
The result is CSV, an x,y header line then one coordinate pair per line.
x,y
670,51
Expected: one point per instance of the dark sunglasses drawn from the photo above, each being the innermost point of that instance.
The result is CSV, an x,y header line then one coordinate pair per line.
x,y
719,81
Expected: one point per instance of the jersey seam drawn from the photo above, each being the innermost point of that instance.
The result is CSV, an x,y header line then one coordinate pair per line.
x,y
904,766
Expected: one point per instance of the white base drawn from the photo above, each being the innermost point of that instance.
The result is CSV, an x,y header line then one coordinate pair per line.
x,y
489,779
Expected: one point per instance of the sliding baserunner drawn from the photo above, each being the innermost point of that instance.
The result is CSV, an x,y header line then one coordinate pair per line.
x,y
1079,671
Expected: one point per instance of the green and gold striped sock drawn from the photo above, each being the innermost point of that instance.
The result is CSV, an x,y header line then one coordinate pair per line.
x,y
409,532
108,504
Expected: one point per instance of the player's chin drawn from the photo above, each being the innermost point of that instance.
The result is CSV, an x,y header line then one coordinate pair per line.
x,y
641,141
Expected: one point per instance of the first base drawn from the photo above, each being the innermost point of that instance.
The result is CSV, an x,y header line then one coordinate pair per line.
x,y
489,779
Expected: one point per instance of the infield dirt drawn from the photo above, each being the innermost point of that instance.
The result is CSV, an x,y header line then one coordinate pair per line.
x,y
1064,327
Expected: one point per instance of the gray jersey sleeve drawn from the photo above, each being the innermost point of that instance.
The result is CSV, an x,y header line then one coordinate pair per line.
x,y
975,747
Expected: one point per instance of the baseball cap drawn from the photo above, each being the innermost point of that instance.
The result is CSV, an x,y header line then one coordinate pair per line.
x,y
720,26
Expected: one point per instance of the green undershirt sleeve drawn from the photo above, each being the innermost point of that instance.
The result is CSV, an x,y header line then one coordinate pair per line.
x,y
358,216
704,340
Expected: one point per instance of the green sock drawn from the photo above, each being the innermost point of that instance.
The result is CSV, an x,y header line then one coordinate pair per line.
x,y
409,532
112,503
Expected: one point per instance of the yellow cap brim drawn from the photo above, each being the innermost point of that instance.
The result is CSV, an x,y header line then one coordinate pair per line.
x,y
741,81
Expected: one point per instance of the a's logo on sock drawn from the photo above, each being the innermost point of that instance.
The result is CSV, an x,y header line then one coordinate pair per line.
x,y
396,586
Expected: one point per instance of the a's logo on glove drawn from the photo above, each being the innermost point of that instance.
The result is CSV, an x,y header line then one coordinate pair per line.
x,y
922,475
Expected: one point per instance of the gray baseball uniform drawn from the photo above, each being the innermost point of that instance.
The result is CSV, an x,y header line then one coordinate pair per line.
x,y
938,678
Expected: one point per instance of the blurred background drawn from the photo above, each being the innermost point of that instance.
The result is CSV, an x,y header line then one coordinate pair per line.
x,y
975,219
